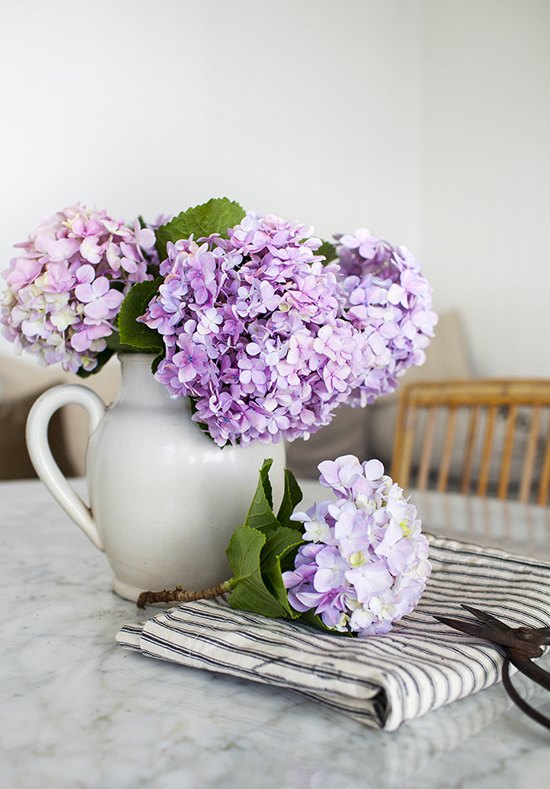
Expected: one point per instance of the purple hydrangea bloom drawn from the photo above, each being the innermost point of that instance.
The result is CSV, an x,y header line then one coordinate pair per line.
x,y
254,332
281,339
365,561
66,286
388,299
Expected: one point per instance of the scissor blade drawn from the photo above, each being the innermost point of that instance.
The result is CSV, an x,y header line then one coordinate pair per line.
x,y
467,626
488,619
488,633
532,635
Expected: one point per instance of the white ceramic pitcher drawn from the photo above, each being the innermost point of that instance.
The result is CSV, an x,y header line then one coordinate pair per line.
x,y
164,499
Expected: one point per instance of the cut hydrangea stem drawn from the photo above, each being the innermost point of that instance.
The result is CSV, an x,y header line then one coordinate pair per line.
x,y
179,595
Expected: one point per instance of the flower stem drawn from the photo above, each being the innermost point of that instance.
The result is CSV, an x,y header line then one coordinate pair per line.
x,y
181,595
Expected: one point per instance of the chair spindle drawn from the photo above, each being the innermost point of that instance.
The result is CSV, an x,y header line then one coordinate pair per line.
x,y
487,452
530,456
447,449
427,449
506,466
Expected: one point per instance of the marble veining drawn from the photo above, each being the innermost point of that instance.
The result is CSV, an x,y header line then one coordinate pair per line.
x,y
78,711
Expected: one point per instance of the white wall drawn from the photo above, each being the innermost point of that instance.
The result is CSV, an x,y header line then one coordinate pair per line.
x,y
486,165
425,120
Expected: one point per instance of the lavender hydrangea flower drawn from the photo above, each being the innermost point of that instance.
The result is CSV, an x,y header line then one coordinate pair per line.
x,y
254,332
388,299
267,341
365,561
66,286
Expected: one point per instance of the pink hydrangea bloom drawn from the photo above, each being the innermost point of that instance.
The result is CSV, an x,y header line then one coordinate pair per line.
x,y
365,561
66,286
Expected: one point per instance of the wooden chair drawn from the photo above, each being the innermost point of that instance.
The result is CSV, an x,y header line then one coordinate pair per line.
x,y
486,402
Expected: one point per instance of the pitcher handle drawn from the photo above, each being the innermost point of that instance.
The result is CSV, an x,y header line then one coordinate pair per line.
x,y
41,455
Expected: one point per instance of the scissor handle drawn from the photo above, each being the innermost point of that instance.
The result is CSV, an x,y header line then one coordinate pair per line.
x,y
514,695
527,667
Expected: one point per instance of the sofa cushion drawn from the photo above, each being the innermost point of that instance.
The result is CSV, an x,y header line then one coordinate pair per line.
x,y
15,462
23,378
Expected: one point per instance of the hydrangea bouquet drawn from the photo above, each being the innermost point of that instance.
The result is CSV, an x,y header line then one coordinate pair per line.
x,y
353,564
262,326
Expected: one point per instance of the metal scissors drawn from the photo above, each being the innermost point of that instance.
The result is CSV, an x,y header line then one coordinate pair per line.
x,y
520,644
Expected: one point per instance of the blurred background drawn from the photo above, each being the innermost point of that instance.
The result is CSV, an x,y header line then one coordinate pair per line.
x,y
427,121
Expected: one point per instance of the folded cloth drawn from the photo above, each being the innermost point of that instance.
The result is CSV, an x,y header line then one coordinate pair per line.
x,y
384,681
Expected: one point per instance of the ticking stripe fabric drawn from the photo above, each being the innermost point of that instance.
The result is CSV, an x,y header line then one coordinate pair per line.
x,y
384,681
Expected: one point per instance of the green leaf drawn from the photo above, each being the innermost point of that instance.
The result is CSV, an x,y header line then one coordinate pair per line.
x,y
132,333
102,358
260,515
251,594
243,551
215,216
291,497
279,543
249,590
114,344
328,250
265,482
258,549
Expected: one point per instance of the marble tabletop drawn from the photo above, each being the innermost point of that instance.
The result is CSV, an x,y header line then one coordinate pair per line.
x,y
79,711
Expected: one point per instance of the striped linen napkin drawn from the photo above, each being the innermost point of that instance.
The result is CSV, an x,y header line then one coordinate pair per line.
x,y
383,681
